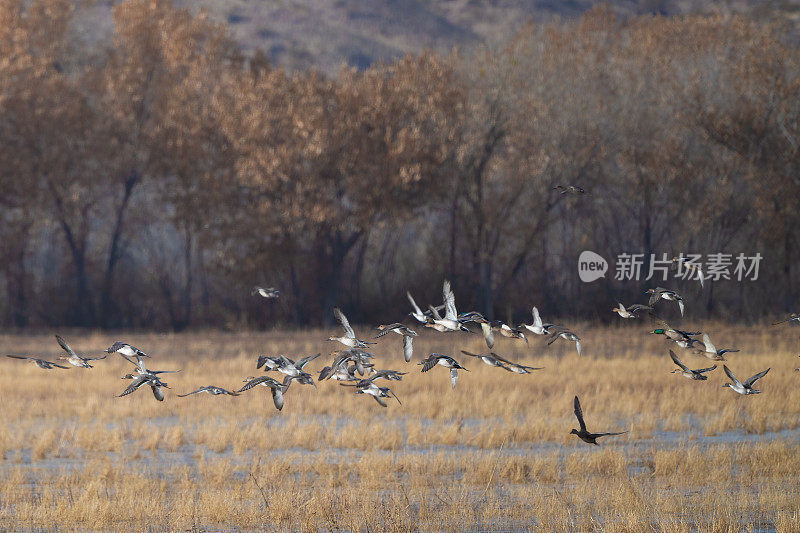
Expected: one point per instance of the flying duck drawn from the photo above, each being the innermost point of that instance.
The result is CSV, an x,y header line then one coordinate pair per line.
x,y
583,433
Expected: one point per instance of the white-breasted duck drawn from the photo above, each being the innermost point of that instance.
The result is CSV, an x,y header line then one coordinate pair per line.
x,y
747,386
688,372
444,360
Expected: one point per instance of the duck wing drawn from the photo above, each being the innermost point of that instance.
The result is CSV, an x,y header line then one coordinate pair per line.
x,y
201,389
65,346
751,380
707,342
408,349
579,414
449,302
348,330
733,378
678,362
704,370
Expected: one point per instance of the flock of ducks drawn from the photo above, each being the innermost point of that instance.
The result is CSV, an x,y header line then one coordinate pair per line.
x,y
353,366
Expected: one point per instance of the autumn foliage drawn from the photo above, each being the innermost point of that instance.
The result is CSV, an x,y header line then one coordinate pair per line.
x,y
152,180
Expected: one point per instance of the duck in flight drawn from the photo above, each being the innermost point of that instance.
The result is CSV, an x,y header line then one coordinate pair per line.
x,y
349,339
583,433
73,358
41,363
266,292
537,327
276,387
444,360
747,386
631,312
710,351
210,389
791,317
687,372
146,379
124,348
407,333
660,293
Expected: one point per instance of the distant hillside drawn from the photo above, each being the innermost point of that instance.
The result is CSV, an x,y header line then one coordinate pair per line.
x,y
329,33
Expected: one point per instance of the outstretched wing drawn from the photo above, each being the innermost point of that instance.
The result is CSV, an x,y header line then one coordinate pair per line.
x,y
755,378
138,382
157,392
302,362
65,346
429,362
453,376
449,302
201,389
408,349
537,320
488,334
608,434
707,341
733,378
678,361
417,310
579,414
704,370
348,330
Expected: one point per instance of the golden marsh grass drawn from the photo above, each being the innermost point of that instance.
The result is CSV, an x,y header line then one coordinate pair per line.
x,y
494,453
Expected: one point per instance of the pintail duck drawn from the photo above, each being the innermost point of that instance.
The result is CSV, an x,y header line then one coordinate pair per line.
x,y
571,189
630,312
210,389
266,292
747,386
690,266
791,317
407,333
41,363
294,369
710,351
557,332
142,370
517,368
537,327
490,360
268,362
147,379
687,372
446,361
666,294
276,387
367,386
417,313
450,320
339,369
73,358
123,348
349,338
583,433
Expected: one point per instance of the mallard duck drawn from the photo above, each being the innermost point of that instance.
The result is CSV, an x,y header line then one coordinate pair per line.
x,y
666,294
73,358
41,363
583,433
446,361
687,372
747,386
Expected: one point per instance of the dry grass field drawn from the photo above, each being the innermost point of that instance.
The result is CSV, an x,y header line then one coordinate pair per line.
x,y
495,453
